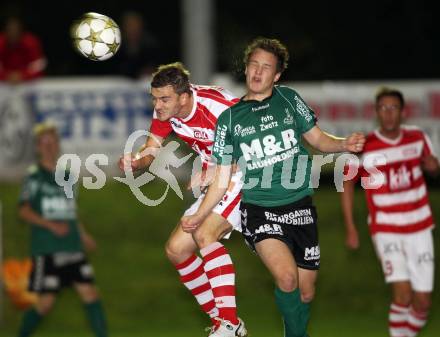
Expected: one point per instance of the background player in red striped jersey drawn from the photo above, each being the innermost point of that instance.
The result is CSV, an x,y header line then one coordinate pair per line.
x,y
400,218
191,112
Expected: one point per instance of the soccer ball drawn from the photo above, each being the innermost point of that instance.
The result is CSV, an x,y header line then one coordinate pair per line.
x,y
96,36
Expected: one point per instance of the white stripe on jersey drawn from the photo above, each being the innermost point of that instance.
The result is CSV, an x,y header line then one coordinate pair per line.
x,y
417,172
396,198
394,154
403,218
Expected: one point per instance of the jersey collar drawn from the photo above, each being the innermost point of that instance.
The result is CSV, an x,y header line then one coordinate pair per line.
x,y
256,101
389,140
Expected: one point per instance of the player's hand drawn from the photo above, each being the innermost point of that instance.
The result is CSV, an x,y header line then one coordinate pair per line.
x,y
128,162
88,242
355,142
190,223
59,228
352,239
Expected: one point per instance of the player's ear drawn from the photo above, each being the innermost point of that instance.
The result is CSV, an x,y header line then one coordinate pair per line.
x,y
184,98
277,77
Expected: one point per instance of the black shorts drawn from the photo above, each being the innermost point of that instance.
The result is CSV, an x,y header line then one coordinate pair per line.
x,y
52,272
294,224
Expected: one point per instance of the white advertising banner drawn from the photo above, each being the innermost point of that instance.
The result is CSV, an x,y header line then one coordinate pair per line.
x,y
96,115
93,116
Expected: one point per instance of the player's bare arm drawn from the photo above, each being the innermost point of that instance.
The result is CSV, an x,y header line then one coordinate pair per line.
x,y
27,214
431,165
351,233
86,238
144,156
215,193
325,142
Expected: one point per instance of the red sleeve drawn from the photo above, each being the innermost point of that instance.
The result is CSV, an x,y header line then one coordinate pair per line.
x,y
161,129
2,52
35,56
427,146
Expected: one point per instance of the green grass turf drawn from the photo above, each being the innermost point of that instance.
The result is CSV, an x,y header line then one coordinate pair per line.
x,y
143,297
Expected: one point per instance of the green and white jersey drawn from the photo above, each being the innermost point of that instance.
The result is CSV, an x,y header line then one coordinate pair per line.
x,y
265,139
48,199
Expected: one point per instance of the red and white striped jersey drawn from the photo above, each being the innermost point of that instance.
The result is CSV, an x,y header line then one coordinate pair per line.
x,y
198,129
400,204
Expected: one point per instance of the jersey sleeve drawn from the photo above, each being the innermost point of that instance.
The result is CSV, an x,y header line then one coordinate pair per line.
x,y
28,190
159,128
223,146
428,149
305,116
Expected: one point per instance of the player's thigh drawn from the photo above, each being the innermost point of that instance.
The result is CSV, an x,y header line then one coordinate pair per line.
x,y
419,248
180,245
307,280
212,229
391,253
278,259
86,291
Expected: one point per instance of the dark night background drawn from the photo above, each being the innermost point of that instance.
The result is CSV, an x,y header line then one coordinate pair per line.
x,y
328,40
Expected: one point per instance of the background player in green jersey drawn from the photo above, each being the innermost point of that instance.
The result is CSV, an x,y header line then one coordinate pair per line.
x,y
57,239
263,134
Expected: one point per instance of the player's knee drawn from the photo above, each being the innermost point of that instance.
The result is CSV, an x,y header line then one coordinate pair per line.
x,y
403,299
422,303
203,237
287,281
171,250
44,307
176,251
307,295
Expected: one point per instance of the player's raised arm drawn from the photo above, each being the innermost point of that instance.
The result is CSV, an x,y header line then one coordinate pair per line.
x,y
325,142
143,157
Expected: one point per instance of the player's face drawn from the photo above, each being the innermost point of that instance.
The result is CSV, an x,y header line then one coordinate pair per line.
x,y
389,113
167,103
48,146
261,72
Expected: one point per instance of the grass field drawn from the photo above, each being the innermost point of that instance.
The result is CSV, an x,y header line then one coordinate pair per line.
x,y
141,293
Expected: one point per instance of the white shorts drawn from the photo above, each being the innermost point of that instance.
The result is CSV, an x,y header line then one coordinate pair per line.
x,y
407,257
229,206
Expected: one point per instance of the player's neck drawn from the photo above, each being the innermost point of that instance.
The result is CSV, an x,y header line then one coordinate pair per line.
x,y
392,134
186,110
257,96
48,164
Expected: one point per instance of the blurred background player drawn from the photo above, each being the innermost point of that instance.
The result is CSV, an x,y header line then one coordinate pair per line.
x,y
57,239
21,54
137,55
191,111
262,133
400,218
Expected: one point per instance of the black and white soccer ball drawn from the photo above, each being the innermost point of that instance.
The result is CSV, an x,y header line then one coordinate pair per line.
x,y
96,36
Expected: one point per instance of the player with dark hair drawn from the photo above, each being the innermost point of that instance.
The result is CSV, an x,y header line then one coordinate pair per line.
x,y
400,217
57,239
191,112
262,134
